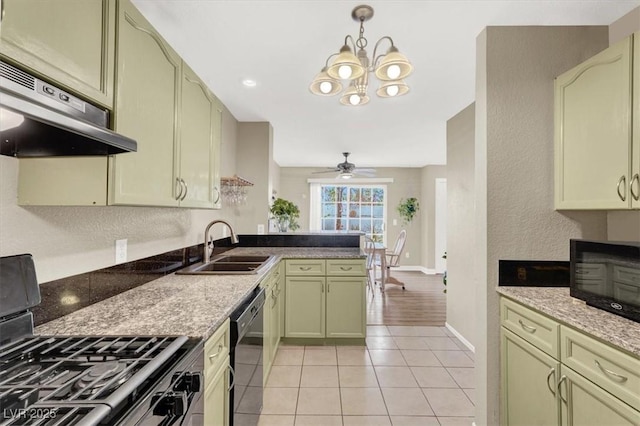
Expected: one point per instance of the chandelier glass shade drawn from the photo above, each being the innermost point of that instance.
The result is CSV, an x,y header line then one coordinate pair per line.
x,y
352,68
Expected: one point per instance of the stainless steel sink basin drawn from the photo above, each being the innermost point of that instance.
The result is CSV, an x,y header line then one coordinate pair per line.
x,y
225,259
229,265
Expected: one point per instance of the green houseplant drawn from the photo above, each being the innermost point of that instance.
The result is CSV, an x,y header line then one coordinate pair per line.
x,y
286,214
408,209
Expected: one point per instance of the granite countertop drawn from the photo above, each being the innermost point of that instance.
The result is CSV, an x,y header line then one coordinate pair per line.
x,y
557,303
190,305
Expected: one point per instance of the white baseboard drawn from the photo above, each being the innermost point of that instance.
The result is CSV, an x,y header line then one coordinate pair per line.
x,y
460,337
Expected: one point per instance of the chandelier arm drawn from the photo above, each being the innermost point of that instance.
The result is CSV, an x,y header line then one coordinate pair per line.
x,y
353,43
375,58
326,63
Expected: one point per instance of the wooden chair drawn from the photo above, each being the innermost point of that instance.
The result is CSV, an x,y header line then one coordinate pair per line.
x,y
369,249
393,259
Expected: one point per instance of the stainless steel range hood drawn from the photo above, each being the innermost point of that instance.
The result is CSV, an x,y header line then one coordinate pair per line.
x,y
37,119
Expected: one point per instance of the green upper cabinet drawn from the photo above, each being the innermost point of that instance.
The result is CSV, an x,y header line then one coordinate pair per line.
x,y
200,132
70,42
146,109
596,159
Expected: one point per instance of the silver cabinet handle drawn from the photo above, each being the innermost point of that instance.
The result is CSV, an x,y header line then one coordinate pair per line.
x,y
322,288
328,287
2,10
551,373
562,379
635,178
305,268
186,189
215,188
233,378
212,356
615,376
526,327
623,194
346,268
179,184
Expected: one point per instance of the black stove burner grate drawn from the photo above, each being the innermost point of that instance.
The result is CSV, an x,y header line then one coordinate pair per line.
x,y
77,373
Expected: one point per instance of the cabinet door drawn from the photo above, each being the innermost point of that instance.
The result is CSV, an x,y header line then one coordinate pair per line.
x,y
305,306
200,121
589,405
593,132
147,89
216,399
635,148
346,307
70,42
528,383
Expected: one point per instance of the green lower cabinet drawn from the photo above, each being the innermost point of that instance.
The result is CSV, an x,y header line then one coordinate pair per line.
x,y
346,307
216,398
528,383
305,307
585,404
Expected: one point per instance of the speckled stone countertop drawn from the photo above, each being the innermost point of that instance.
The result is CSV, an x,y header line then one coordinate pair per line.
x,y
190,305
557,303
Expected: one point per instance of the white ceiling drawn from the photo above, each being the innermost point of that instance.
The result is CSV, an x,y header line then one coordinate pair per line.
x,y
283,44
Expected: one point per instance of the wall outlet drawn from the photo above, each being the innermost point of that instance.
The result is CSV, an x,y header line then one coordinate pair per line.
x,y
406,255
121,251
260,229
395,222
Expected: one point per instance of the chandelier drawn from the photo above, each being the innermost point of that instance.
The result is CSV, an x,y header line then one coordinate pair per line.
x,y
390,68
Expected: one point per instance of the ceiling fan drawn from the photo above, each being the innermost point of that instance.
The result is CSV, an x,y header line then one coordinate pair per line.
x,y
347,170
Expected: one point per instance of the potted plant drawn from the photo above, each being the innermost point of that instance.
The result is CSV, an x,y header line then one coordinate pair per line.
x,y
408,209
286,214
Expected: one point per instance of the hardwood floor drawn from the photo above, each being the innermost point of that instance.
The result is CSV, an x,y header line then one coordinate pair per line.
x,y
423,301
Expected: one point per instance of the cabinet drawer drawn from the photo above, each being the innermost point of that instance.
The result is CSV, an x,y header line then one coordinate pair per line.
x,y
537,329
216,350
346,267
305,267
609,368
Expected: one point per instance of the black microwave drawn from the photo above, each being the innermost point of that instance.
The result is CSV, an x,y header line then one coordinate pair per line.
x,y
606,275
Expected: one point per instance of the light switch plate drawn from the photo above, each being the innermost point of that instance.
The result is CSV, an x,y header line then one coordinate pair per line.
x,y
121,251
395,222
260,229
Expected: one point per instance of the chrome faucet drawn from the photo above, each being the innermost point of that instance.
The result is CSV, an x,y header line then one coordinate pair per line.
x,y
207,255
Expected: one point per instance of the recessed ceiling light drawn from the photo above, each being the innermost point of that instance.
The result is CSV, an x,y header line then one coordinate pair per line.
x,y
249,82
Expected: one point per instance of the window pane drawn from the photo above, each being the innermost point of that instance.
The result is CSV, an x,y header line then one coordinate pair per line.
x,y
378,195
366,195
354,224
355,194
354,210
378,212
328,210
341,224
328,193
377,226
376,238
365,211
366,226
341,193
341,210
328,225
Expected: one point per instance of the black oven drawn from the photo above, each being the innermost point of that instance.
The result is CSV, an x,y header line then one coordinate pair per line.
x,y
606,275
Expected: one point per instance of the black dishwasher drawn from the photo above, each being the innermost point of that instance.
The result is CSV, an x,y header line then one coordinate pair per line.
x,y
245,397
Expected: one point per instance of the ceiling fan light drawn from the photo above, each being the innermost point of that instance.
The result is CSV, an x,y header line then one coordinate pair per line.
x,y
323,85
393,66
345,66
346,175
392,89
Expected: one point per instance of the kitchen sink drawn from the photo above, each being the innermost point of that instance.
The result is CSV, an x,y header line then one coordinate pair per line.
x,y
229,265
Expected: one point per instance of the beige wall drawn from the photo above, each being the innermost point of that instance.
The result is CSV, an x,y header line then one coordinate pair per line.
x,y
461,281
407,183
254,163
515,218
429,174
70,240
624,226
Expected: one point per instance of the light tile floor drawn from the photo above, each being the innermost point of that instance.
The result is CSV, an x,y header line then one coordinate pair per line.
x,y
406,376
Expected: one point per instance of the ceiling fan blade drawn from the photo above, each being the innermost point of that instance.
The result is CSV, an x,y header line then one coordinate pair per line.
x,y
362,170
327,171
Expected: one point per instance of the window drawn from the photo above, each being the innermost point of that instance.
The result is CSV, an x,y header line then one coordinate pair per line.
x,y
349,208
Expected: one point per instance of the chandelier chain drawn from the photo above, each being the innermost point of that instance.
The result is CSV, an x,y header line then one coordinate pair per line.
x,y
361,42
